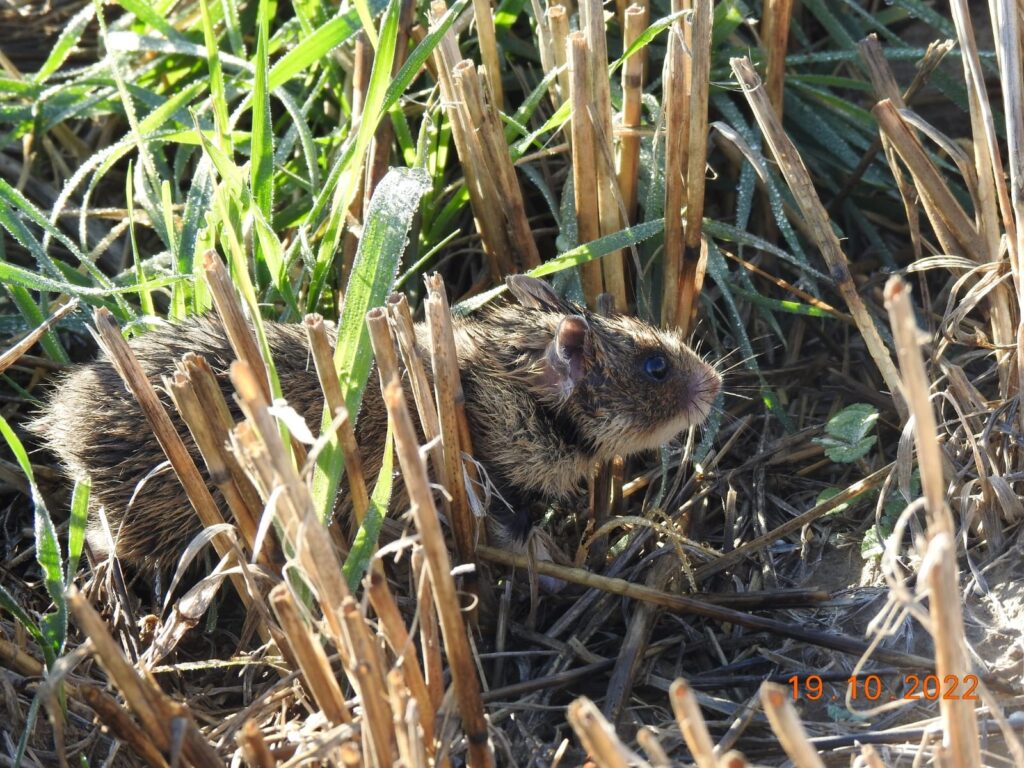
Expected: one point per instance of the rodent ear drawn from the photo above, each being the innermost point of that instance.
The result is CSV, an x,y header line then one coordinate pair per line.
x,y
564,360
536,294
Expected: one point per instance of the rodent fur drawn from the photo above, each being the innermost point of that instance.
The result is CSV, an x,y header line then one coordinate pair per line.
x,y
550,388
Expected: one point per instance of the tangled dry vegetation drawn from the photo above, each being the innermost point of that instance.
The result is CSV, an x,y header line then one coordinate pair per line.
x,y
773,586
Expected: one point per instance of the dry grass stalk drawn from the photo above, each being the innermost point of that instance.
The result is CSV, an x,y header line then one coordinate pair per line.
x,y
632,110
135,379
398,639
691,277
307,650
482,119
209,426
1006,29
404,332
945,213
463,669
558,29
597,735
12,355
584,162
600,114
646,737
367,673
323,361
254,747
939,566
451,416
489,51
691,723
430,635
802,187
683,604
157,713
775,41
486,215
785,722
989,192
239,332
112,715
674,107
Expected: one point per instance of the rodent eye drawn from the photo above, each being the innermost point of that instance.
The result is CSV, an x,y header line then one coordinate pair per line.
x,y
656,367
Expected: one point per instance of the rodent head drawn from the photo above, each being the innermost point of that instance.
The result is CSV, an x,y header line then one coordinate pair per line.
x,y
623,385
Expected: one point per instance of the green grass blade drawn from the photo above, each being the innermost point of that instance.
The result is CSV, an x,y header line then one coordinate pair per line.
x,y
76,528
261,178
385,235
66,43
365,542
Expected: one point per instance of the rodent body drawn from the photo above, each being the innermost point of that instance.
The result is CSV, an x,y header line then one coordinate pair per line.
x,y
549,389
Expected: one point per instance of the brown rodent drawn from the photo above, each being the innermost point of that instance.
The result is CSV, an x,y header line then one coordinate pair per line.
x,y
549,388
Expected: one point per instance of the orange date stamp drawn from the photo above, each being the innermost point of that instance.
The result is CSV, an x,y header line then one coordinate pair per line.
x,y
872,688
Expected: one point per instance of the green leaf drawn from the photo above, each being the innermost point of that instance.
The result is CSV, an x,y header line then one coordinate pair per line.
x,y
385,234
54,626
847,435
365,543
262,166
76,528
66,43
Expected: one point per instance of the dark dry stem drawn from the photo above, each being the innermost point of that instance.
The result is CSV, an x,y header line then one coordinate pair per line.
x,y
463,670
687,605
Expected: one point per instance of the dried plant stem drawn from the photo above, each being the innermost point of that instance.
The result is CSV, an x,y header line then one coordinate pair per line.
x,y
451,409
135,379
489,50
558,24
800,184
600,112
597,735
775,40
366,670
674,109
786,724
419,383
688,605
430,636
240,335
446,55
939,565
307,650
112,715
397,636
463,670
12,355
691,724
632,110
691,278
584,162
254,747
1006,28
209,430
151,705
239,332
482,118
323,361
